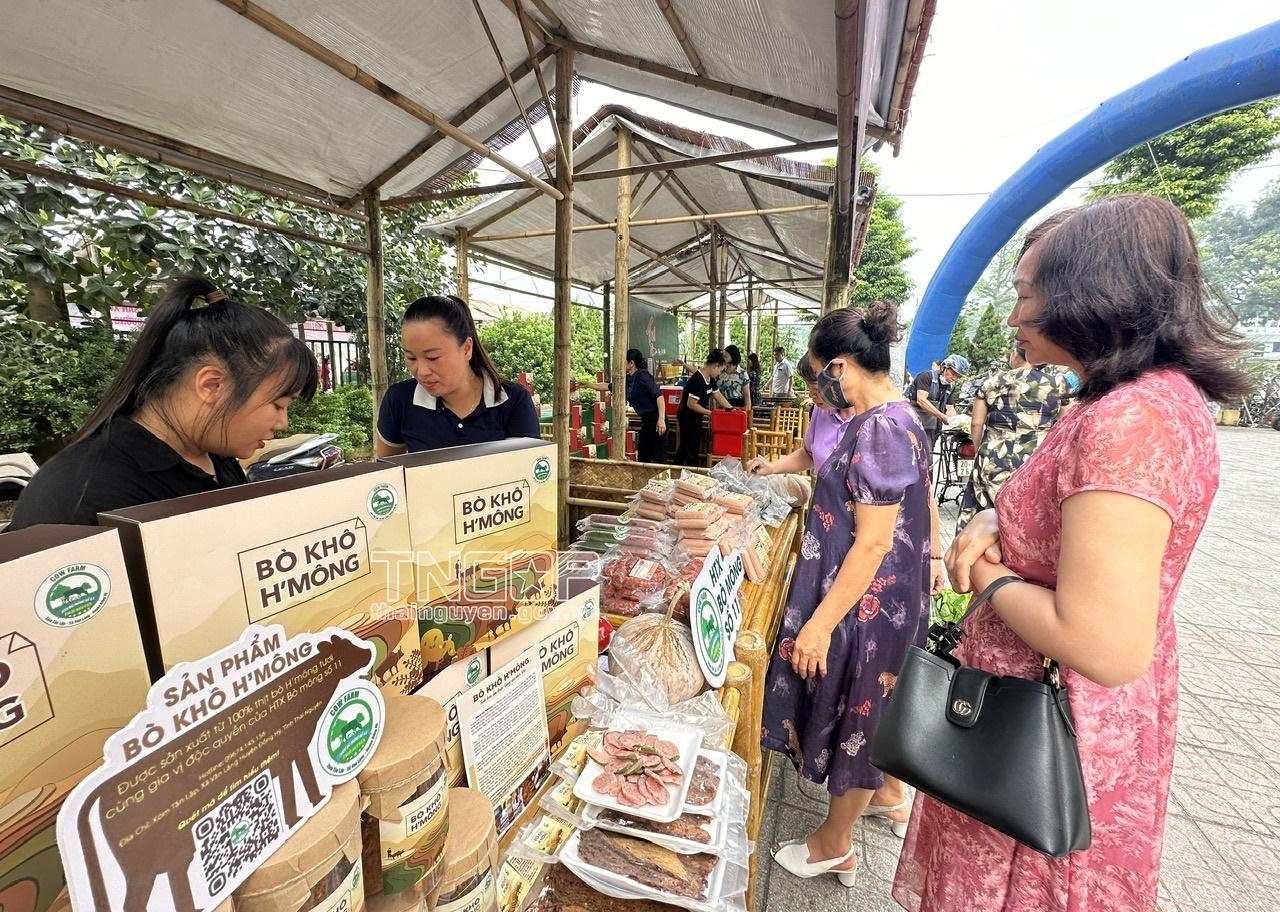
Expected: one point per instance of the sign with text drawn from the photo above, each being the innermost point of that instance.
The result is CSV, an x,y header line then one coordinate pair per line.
x,y
232,754
715,614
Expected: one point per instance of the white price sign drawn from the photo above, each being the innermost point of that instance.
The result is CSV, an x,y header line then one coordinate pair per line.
x,y
714,613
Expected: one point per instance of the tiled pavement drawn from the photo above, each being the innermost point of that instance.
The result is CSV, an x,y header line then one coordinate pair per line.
x,y
1222,844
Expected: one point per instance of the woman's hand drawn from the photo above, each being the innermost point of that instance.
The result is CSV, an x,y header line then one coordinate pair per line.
x,y
809,657
759,466
939,579
980,540
662,424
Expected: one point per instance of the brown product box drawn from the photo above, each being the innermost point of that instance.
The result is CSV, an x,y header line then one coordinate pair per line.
x,y
445,688
483,524
325,549
568,648
72,672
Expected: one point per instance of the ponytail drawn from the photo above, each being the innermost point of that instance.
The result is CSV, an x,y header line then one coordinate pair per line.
x,y
195,324
454,314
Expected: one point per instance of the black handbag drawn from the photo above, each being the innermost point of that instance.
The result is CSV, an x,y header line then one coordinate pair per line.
x,y
1000,749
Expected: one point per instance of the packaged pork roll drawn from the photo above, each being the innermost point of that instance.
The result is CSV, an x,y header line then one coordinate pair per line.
x,y
470,856
405,787
318,869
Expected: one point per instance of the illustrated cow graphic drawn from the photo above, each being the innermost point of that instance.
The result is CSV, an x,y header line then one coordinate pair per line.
x,y
148,853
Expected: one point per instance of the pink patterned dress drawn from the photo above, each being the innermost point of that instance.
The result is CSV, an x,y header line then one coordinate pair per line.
x,y
1152,438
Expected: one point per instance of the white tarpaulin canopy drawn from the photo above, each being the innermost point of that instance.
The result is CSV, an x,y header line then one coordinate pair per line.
x,y
328,96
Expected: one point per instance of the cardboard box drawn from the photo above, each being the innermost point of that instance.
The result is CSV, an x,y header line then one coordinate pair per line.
x,y
72,672
482,519
568,648
324,549
445,688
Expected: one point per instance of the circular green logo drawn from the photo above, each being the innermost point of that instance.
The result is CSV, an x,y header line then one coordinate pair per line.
x,y
350,731
473,672
383,501
710,631
588,609
72,595
542,469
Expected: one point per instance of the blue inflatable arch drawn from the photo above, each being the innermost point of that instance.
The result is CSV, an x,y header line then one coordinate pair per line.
x,y
1212,79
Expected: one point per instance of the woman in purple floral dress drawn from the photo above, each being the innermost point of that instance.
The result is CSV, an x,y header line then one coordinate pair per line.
x,y
861,590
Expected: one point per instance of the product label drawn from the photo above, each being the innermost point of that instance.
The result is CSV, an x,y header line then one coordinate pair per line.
x,y
383,501
558,648
549,835
72,595
515,879
644,569
349,895
479,898
575,755
562,797
232,754
24,696
715,613
294,570
412,845
481,512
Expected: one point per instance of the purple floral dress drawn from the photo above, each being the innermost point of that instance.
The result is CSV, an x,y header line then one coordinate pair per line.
x,y
825,725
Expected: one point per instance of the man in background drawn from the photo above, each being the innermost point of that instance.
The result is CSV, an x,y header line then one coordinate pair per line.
x,y
782,384
931,394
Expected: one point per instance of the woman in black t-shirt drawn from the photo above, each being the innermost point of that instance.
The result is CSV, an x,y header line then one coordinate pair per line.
x,y
207,382
696,402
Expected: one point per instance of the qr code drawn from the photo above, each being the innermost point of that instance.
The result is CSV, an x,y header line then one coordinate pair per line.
x,y
236,834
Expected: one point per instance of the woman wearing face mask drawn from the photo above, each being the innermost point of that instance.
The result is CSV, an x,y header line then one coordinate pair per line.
x,y
861,592
207,383
455,395
826,427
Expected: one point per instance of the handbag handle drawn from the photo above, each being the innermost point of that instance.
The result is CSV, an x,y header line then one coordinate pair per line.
x,y
945,637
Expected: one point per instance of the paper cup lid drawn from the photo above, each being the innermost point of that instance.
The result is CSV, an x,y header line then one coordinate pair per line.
x,y
319,841
413,742
473,836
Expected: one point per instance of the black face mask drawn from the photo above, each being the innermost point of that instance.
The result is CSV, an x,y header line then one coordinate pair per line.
x,y
830,389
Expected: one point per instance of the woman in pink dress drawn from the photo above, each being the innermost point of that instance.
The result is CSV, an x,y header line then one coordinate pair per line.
x,y
1100,522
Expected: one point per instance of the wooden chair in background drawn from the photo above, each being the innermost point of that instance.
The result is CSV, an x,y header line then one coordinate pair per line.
x,y
772,445
786,418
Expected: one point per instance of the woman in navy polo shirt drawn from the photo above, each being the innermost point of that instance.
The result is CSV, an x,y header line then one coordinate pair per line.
x,y
456,395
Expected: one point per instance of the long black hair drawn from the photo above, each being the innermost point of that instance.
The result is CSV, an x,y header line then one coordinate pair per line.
x,y
1124,293
455,316
636,357
753,362
184,332
735,355
866,334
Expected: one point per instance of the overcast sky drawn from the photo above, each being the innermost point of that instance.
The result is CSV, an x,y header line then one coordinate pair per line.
x,y
1000,79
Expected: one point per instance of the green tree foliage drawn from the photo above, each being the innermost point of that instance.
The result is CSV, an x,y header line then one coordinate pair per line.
x,y
1241,248
347,412
880,273
1193,165
793,338
961,341
97,250
526,342
990,340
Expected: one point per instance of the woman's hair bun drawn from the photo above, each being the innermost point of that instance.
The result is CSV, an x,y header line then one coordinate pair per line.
x,y
880,322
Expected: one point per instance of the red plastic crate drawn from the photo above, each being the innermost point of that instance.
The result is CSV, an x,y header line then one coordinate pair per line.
x,y
727,429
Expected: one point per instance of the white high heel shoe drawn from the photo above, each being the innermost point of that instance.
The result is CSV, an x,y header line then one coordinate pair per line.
x,y
794,856
898,827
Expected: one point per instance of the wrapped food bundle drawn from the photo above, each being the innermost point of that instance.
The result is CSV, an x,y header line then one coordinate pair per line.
x,y
666,646
632,584
703,487
734,502
697,515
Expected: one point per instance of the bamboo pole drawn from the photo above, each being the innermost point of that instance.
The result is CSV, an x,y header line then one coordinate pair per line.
x,y
526,30
71,121
677,28
461,266
653,222
375,310
18,166
675,164
621,302
799,109
433,138
519,203
737,681
511,84
839,257
607,366
563,289
774,346
722,319
276,26
713,270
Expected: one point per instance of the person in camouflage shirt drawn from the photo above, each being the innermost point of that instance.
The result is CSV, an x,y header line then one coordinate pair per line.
x,y
1012,412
